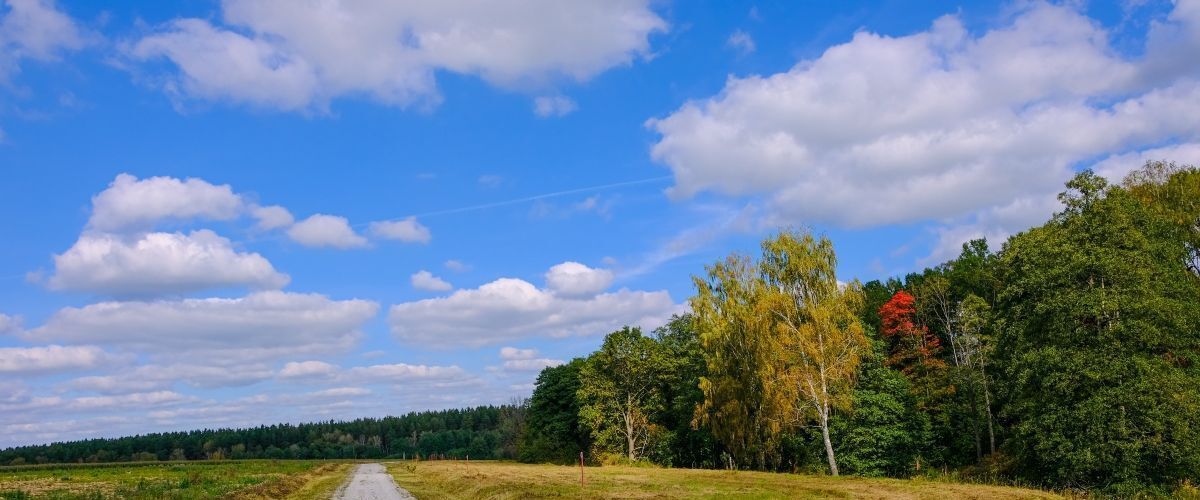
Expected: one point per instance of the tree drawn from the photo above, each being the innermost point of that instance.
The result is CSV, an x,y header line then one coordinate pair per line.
x,y
620,393
553,431
684,358
744,405
1099,344
884,432
821,337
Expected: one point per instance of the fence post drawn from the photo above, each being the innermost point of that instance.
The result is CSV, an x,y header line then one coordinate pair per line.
x,y
581,469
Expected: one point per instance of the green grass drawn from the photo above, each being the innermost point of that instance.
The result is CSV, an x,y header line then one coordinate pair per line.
x,y
500,480
174,480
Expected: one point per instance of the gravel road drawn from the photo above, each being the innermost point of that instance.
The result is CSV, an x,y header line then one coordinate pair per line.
x,y
371,482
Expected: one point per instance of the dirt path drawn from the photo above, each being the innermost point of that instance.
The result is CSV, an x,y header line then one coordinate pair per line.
x,y
371,482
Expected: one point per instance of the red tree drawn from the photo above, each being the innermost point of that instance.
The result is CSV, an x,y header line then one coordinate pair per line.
x,y
915,348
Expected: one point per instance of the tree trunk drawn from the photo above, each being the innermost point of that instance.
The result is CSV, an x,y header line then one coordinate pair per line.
x,y
987,401
629,439
833,469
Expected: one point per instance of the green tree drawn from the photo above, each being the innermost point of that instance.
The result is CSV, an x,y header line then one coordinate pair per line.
x,y
553,432
1099,344
688,445
619,393
884,432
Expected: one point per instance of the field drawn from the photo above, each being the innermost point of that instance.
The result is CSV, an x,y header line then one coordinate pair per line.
x,y
446,480
249,479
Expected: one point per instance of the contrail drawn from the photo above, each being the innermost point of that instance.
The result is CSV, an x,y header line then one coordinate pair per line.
x,y
528,199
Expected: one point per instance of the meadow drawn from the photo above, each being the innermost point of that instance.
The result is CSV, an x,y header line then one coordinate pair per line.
x,y
234,479
506,480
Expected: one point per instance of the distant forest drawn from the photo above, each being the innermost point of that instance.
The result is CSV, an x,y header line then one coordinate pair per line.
x,y
1068,358
485,432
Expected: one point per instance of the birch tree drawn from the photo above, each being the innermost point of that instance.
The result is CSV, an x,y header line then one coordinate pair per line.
x,y
816,319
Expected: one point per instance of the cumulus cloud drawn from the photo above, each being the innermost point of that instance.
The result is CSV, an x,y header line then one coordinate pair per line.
x,y
130,203
572,279
307,369
272,217
425,280
508,309
556,105
322,230
35,29
525,360
408,230
51,359
159,263
456,266
260,325
277,54
938,125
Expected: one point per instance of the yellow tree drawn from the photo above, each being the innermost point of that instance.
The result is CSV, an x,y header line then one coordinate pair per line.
x,y
742,405
816,322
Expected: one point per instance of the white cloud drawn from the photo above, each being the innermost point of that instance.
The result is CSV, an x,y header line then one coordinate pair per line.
x,y
130,203
456,266
525,360
306,369
272,217
936,125
408,230
260,325
51,359
275,53
508,309
553,106
35,29
741,41
159,263
1116,167
507,353
9,324
401,373
152,377
322,230
425,280
572,279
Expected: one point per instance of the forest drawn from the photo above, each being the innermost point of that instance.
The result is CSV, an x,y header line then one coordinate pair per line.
x,y
485,432
1069,358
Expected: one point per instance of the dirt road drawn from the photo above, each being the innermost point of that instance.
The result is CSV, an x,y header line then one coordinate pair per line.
x,y
371,482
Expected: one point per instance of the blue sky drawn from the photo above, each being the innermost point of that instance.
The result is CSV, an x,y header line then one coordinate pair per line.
x,y
234,213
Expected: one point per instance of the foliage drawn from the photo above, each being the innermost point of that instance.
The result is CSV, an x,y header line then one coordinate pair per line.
x,y
554,432
1099,344
743,405
620,393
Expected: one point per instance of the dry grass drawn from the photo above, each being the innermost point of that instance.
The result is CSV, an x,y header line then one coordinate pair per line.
x,y
501,480
319,482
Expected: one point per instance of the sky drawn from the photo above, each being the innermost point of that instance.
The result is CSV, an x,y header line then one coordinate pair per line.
x,y
243,212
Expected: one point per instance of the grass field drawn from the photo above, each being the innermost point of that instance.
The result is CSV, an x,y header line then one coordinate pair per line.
x,y
501,480
249,479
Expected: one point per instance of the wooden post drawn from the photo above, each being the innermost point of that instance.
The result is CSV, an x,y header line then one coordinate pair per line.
x,y
581,469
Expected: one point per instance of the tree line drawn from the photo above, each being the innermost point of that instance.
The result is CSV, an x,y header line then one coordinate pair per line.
x,y
485,432
1070,358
